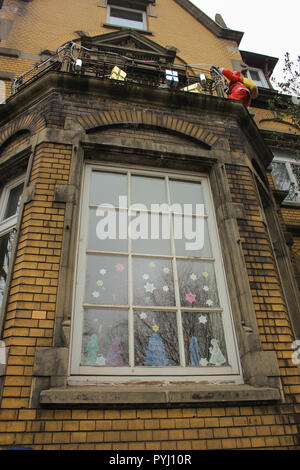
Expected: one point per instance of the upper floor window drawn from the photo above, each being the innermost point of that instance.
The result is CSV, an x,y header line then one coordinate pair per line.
x,y
257,76
286,171
9,207
150,294
127,17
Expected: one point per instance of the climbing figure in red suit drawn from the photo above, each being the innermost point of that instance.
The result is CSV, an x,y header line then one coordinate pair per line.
x,y
237,90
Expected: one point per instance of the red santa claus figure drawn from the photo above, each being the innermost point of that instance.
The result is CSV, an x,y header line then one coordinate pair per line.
x,y
237,90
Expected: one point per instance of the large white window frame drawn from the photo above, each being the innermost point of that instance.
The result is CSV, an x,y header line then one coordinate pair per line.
x,y
261,82
90,373
126,22
8,224
294,188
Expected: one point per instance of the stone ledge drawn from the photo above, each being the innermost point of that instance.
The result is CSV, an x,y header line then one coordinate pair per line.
x,y
120,395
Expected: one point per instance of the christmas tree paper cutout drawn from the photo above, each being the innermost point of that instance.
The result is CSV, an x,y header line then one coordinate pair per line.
x,y
194,351
155,352
114,355
92,349
216,356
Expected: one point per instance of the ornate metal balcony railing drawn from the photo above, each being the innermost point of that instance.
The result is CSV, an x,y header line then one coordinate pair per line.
x,y
80,60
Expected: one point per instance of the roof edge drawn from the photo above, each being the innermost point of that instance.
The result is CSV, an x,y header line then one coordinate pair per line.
x,y
210,24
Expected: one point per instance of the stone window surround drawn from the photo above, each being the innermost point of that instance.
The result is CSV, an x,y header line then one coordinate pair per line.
x,y
260,368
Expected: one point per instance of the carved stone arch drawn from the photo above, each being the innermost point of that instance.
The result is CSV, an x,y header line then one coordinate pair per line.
x,y
29,123
101,120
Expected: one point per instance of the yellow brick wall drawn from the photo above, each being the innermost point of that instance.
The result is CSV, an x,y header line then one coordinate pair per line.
x,y
43,27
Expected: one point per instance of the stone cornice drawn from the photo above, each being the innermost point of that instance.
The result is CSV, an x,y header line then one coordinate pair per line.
x,y
62,82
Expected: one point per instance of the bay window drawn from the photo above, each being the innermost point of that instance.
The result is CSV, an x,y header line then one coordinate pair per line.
x,y
150,294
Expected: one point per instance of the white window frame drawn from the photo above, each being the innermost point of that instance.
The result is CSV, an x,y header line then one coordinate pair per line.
x,y
8,224
126,23
262,82
288,161
94,374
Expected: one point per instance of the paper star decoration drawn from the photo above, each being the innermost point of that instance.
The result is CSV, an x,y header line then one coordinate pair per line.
x,y
149,287
209,302
155,328
120,268
99,283
205,274
102,271
152,264
95,294
143,315
145,276
165,288
190,297
202,319
193,277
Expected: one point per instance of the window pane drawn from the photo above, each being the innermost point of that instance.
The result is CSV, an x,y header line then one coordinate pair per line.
x,y
197,284
106,280
153,282
147,191
191,236
107,187
107,230
5,251
156,339
105,338
126,14
281,175
128,18
204,341
14,200
183,192
153,231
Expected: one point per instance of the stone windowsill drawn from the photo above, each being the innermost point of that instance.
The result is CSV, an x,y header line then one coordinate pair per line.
x,y
110,396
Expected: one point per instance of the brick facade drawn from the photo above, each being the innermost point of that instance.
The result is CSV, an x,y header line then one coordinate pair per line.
x,y
63,125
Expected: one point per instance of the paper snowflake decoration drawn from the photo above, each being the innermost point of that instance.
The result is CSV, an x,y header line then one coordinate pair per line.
x,y
149,287
95,294
102,271
166,270
165,288
202,319
206,288
209,302
145,276
99,283
193,277
143,315
190,297
120,268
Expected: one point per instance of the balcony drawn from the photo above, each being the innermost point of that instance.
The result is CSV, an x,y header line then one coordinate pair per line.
x,y
152,72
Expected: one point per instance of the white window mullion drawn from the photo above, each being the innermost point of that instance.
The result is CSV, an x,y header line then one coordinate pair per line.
x,y
176,283
130,277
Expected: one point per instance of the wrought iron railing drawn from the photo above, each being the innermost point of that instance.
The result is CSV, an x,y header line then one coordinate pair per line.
x,y
77,59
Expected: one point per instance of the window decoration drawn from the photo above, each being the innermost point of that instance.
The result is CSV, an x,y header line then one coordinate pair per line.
x,y
150,299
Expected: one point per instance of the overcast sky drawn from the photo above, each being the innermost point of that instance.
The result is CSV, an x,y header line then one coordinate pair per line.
x,y
270,27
